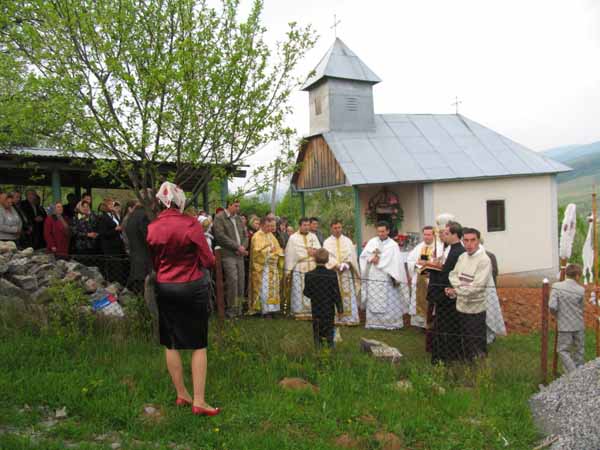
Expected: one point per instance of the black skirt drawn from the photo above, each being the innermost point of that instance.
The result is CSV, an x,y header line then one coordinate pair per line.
x,y
183,310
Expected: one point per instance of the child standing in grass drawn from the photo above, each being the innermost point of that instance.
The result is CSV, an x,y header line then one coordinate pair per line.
x,y
321,286
566,304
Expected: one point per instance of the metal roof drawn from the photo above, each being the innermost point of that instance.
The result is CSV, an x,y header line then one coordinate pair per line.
x,y
341,62
432,147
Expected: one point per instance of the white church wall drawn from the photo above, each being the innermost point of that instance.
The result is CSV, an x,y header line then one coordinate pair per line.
x,y
529,242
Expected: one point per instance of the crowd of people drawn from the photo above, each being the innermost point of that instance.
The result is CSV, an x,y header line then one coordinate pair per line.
x,y
446,284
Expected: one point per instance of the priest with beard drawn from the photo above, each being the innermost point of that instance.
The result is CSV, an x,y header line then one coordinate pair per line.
x,y
382,275
343,260
446,341
299,259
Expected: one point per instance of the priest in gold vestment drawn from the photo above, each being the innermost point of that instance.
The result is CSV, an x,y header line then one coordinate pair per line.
x,y
266,264
343,260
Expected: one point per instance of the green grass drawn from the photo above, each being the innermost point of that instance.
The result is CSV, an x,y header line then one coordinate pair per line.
x,y
105,380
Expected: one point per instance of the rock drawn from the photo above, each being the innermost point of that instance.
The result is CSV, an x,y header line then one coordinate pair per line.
x,y
42,259
41,296
8,289
368,419
71,277
380,350
7,247
92,272
115,445
18,266
48,423
152,412
347,441
437,389
403,386
388,441
26,253
295,384
27,282
42,268
3,264
90,286
61,413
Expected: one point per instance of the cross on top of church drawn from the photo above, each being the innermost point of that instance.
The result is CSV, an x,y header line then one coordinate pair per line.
x,y
456,103
336,22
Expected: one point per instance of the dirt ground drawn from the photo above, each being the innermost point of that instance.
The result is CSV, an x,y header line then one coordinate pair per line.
x,y
520,299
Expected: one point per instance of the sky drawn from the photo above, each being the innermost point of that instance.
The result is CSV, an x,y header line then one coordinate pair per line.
x,y
528,69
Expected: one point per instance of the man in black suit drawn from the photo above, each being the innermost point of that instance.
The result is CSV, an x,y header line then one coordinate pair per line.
x,y
446,341
35,217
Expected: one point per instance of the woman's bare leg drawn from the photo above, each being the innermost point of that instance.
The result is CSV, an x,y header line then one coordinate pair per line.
x,y
199,364
175,367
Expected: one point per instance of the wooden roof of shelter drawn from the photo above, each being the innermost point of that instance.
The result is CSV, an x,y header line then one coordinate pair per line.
x,y
34,166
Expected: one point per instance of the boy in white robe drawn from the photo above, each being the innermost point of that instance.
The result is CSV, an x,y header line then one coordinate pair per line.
x,y
383,281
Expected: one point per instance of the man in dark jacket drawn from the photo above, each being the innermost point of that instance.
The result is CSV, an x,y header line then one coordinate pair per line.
x,y
321,286
35,217
230,235
140,263
446,340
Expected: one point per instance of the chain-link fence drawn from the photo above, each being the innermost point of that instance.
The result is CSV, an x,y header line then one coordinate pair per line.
x,y
324,308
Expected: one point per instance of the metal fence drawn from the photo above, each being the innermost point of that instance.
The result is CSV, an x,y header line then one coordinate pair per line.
x,y
326,304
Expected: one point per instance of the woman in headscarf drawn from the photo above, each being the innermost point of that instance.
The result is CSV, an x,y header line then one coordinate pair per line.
x,y
181,259
206,221
57,232
10,222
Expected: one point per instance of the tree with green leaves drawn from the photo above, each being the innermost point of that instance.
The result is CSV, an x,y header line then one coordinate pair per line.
x,y
134,84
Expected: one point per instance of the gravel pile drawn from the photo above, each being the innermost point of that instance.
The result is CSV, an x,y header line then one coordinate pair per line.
x,y
569,408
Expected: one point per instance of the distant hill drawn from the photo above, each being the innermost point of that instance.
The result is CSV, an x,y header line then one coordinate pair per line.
x,y
576,186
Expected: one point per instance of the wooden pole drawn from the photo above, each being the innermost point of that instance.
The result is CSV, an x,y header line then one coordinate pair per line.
x,y
563,274
595,230
544,334
357,221
219,294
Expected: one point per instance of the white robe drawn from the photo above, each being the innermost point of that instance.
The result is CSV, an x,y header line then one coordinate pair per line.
x,y
385,303
411,261
297,263
494,319
342,251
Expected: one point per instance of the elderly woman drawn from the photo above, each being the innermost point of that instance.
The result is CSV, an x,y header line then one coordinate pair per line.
x,y
84,230
10,222
180,257
57,233
206,221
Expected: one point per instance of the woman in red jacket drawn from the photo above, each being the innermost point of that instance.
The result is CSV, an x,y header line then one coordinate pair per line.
x,y
181,257
57,232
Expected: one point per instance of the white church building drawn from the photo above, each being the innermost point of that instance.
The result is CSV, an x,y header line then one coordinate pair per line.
x,y
426,164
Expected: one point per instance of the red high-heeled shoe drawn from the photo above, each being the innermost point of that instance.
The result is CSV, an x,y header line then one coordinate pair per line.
x,y
182,402
200,411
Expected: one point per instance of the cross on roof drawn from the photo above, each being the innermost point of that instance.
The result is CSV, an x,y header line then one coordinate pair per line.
x,y
336,22
456,103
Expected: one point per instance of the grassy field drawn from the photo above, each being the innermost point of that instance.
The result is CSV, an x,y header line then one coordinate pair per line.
x,y
105,379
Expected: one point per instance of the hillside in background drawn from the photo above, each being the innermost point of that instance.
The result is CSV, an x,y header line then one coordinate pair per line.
x,y
576,186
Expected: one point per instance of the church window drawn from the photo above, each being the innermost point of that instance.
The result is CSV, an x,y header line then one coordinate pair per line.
x,y
496,215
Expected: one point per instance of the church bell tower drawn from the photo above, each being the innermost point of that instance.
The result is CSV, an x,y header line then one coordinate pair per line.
x,y
341,92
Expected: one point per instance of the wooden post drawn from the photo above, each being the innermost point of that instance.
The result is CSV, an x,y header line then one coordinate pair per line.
x,y
544,334
595,229
563,274
357,221
220,293
224,193
56,194
302,204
